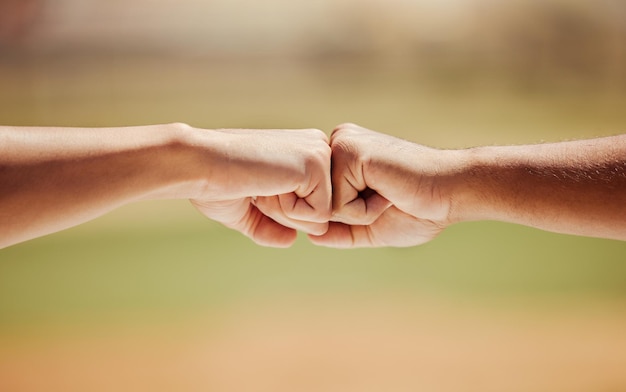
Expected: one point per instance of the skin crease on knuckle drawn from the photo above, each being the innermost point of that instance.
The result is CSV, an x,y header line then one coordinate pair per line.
x,y
345,149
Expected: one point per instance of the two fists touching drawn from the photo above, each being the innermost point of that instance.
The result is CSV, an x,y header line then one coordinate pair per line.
x,y
360,188
364,189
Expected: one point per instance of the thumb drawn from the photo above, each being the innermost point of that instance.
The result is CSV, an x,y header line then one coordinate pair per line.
x,y
354,203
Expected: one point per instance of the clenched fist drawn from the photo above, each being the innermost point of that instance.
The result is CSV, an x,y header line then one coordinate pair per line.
x,y
264,183
386,191
391,192
361,188
269,183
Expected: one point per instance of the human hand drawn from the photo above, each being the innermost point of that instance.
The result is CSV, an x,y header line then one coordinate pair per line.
x,y
269,183
386,191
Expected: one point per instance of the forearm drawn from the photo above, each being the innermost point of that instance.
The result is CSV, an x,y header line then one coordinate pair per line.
x,y
572,187
54,178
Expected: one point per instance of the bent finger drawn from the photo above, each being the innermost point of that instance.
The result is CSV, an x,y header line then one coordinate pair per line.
x,y
314,207
265,231
340,235
365,209
273,207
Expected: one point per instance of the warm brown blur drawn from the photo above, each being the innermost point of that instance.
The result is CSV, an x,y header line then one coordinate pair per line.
x,y
153,297
17,19
526,42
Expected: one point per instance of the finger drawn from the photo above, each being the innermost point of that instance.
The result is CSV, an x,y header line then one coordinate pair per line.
x,y
340,235
243,216
314,207
343,128
393,228
346,175
353,202
363,210
312,201
273,208
265,231
399,229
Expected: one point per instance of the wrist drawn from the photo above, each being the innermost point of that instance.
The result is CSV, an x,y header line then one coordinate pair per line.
x,y
182,162
459,184
481,185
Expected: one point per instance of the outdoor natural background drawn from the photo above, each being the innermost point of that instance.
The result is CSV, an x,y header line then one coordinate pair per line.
x,y
154,297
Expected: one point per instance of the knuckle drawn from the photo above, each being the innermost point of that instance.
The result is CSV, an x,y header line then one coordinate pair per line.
x,y
181,126
316,134
318,156
320,229
342,216
345,129
346,149
347,125
323,215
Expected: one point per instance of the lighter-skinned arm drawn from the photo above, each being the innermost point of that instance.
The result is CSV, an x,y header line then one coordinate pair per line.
x,y
264,183
391,192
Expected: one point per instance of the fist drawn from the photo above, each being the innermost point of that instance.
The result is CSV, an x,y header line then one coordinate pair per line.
x,y
269,183
385,191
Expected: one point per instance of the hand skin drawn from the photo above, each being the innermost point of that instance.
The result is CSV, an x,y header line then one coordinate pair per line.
x,y
391,192
264,183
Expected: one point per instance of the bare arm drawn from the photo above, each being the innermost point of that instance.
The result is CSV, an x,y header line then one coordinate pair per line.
x,y
576,187
388,191
54,178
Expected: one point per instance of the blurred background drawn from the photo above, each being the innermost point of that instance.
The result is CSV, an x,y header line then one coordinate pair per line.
x,y
155,297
